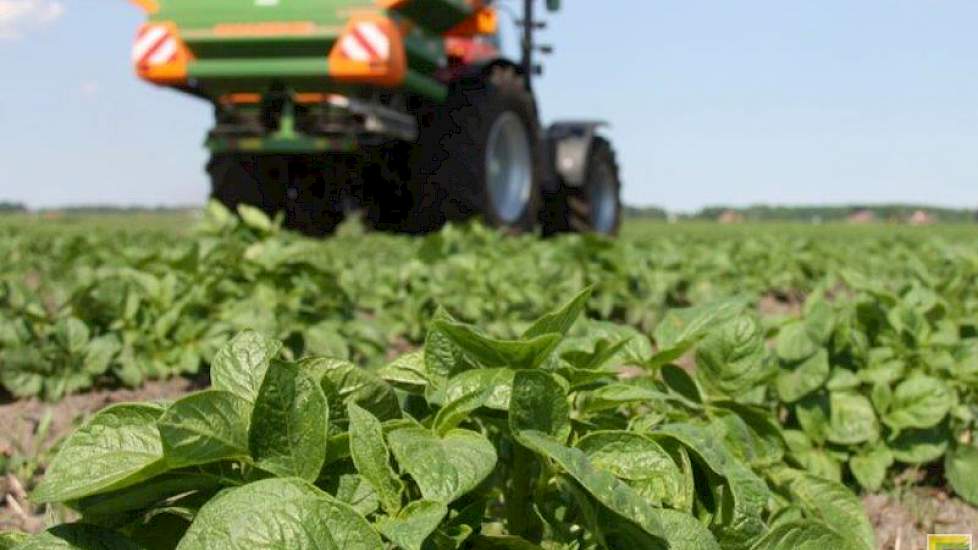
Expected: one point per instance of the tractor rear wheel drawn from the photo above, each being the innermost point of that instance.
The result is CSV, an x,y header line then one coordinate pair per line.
x,y
479,153
394,199
593,207
300,186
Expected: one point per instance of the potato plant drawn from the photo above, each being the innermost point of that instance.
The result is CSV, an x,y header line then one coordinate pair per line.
x,y
141,303
879,384
538,441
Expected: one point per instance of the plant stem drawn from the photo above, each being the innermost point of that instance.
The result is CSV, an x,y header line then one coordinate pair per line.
x,y
521,518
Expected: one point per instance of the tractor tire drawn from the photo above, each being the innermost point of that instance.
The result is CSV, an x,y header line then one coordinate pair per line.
x,y
595,206
236,179
295,185
479,155
394,199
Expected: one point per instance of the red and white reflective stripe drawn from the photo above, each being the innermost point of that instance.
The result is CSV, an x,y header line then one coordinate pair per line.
x,y
155,45
366,42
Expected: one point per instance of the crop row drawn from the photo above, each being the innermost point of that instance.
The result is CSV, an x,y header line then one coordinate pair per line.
x,y
82,307
473,442
867,368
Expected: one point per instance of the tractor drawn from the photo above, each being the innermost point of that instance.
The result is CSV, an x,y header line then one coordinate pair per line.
x,y
404,110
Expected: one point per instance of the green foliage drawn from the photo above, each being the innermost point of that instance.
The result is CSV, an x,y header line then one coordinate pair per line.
x,y
501,425
372,459
118,447
78,536
289,424
264,460
205,427
878,382
281,513
961,465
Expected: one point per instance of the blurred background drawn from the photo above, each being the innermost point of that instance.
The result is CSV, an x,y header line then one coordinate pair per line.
x,y
711,104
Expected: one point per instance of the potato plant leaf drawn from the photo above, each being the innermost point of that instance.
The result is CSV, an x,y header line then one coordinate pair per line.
x,y
681,531
918,402
443,359
748,492
414,524
751,433
851,419
499,383
119,446
283,513
344,383
870,467
77,536
795,343
639,461
682,385
455,411
289,424
798,380
239,367
407,372
205,427
835,505
539,403
145,494
961,466
920,446
561,320
732,359
494,353
682,326
803,535
354,490
445,468
372,459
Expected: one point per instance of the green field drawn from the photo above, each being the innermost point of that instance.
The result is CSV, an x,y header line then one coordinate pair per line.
x,y
687,385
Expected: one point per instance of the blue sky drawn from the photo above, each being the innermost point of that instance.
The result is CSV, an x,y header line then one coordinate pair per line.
x,y
776,101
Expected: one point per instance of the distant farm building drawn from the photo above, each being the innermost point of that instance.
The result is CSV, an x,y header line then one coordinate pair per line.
x,y
862,215
730,216
921,217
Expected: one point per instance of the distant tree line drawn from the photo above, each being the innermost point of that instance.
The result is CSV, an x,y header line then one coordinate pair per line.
x,y
110,209
646,212
810,213
881,212
12,207
7,207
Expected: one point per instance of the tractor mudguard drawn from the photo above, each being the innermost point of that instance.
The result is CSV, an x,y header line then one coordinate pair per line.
x,y
570,143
